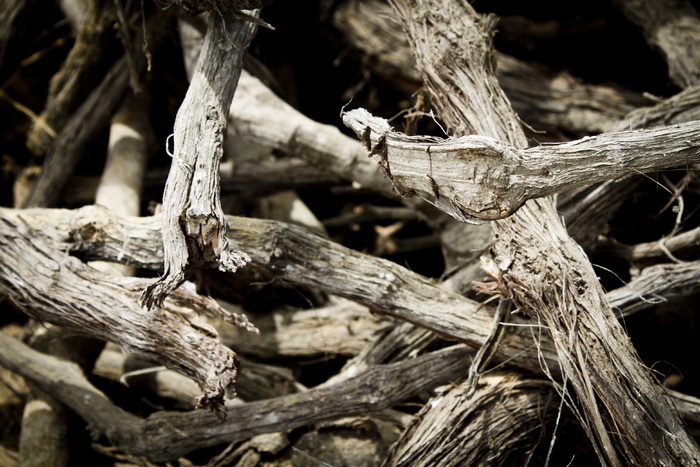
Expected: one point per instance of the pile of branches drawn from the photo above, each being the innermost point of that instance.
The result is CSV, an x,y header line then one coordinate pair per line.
x,y
202,264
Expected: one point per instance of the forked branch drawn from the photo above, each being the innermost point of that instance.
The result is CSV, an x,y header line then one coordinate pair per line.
x,y
478,178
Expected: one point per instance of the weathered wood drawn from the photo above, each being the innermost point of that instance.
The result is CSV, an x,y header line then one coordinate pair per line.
x,y
302,257
51,286
194,228
257,114
73,140
478,178
656,284
546,274
546,100
587,210
82,70
256,382
674,29
342,328
497,426
165,436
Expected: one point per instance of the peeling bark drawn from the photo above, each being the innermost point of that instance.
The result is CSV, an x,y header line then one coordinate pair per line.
x,y
545,273
194,227
51,286
476,178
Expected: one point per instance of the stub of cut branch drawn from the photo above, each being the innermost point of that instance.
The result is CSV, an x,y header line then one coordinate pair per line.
x,y
478,178
194,226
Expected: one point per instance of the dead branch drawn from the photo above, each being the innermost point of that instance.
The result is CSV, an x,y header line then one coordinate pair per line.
x,y
59,289
656,284
674,29
73,140
500,425
477,177
546,274
302,257
257,114
544,99
194,228
165,436
345,328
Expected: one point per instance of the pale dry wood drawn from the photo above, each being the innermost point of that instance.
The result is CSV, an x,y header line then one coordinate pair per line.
x,y
263,177
258,115
194,228
587,210
548,100
680,108
43,439
73,140
672,27
656,284
94,233
546,274
119,189
165,436
499,425
82,70
49,285
256,382
147,229
478,178
122,178
342,328
300,257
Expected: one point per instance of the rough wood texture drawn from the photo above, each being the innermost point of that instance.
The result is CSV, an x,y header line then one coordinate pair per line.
x,y
546,274
194,228
257,114
51,286
546,100
301,257
73,140
81,72
165,436
672,27
497,426
478,177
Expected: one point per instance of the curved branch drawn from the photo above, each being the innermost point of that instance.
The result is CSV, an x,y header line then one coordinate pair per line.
x,y
477,178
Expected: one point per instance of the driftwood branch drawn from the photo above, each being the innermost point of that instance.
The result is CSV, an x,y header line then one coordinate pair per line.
x,y
165,436
281,249
553,101
302,257
194,228
477,177
545,273
674,29
51,286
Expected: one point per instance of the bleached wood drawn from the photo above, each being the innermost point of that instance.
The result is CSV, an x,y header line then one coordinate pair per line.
x,y
165,436
673,28
618,403
194,227
544,99
302,257
478,178
46,283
